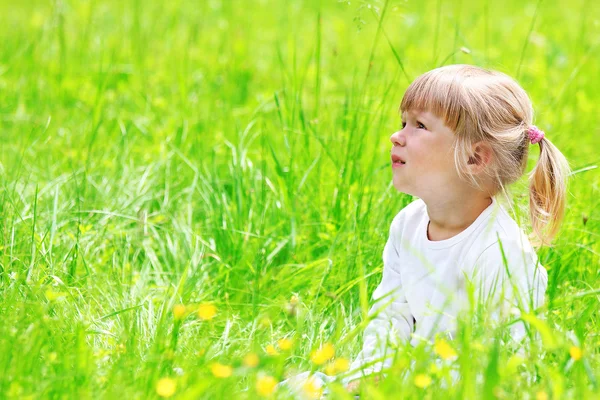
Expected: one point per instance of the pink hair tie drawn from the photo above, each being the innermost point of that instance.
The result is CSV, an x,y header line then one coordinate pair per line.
x,y
535,134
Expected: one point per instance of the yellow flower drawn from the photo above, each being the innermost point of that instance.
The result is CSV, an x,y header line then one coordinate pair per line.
x,y
294,300
179,311
444,350
265,385
285,344
576,353
207,311
251,360
336,366
221,371
541,395
166,387
311,389
422,380
326,352
341,364
271,350
330,369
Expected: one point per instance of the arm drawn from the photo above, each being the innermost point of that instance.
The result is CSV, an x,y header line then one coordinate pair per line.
x,y
391,318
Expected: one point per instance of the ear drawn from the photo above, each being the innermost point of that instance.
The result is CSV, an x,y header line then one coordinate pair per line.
x,y
481,156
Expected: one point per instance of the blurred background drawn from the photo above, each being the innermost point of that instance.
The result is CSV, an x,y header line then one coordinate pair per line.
x,y
235,155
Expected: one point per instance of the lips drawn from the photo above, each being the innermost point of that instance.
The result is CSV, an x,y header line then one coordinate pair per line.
x,y
397,159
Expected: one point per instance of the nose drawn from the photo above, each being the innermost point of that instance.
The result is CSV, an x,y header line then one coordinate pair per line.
x,y
398,139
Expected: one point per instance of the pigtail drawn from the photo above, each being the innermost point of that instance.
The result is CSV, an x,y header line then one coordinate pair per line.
x,y
547,193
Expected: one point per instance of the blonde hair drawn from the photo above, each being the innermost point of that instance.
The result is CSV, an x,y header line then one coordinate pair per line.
x,y
484,105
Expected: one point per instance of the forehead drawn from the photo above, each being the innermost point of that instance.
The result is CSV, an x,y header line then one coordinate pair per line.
x,y
424,114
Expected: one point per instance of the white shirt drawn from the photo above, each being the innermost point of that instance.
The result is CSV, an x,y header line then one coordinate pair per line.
x,y
424,282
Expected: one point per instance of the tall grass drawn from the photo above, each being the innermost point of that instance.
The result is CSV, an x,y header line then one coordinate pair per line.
x,y
236,154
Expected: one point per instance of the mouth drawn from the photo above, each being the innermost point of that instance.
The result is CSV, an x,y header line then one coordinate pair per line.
x,y
397,161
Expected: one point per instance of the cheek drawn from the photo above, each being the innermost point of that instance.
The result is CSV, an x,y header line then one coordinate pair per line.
x,y
429,155
437,159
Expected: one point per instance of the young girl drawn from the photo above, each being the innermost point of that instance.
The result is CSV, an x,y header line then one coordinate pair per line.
x,y
465,136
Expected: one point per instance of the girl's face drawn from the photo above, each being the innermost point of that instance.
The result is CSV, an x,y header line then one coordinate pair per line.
x,y
425,146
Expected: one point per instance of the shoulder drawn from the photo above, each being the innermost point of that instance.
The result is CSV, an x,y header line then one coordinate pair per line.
x,y
510,259
412,210
509,268
499,240
505,250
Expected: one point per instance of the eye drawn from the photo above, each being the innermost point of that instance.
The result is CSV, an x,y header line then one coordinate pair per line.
x,y
420,125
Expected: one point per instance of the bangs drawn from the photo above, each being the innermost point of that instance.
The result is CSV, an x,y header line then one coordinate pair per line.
x,y
441,92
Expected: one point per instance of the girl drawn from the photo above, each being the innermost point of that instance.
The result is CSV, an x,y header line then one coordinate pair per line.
x,y
465,136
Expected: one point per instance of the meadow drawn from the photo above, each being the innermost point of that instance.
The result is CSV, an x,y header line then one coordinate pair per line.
x,y
196,195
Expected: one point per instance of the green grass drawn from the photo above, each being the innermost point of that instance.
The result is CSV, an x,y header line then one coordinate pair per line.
x,y
236,152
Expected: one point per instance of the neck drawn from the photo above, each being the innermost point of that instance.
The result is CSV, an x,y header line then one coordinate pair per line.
x,y
450,216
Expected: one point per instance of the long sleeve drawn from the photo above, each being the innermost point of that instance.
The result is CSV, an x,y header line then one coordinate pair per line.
x,y
391,318
509,287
